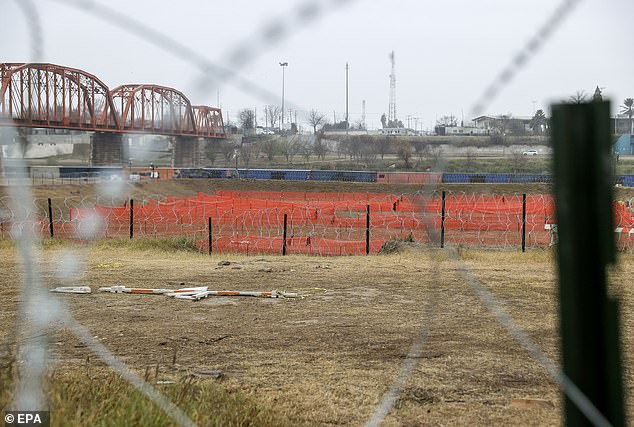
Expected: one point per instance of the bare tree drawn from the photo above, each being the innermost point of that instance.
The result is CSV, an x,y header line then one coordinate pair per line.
x,y
518,161
320,147
306,148
246,118
209,150
579,97
246,152
227,148
316,118
501,124
269,147
447,121
382,146
272,113
404,152
368,153
290,146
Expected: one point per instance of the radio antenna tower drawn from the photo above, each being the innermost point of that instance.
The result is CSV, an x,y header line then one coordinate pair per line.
x,y
391,116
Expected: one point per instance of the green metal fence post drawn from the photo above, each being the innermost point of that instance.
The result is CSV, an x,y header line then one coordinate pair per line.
x,y
588,318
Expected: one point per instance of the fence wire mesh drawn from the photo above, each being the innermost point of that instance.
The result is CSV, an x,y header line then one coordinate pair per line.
x,y
332,226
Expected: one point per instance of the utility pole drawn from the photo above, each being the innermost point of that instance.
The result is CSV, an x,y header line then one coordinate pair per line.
x,y
347,116
363,115
283,65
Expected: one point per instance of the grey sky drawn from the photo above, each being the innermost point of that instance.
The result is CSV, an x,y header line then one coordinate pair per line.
x,y
447,52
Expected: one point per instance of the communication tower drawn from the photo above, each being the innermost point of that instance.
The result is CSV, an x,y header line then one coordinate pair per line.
x,y
391,116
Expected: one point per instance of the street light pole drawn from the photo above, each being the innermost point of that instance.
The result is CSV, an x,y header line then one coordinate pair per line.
x,y
283,65
347,116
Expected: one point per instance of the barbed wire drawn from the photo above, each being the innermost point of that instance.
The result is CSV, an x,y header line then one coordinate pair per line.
x,y
521,59
242,54
410,363
35,310
252,221
489,301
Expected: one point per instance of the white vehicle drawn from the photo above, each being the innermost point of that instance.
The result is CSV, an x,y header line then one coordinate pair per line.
x,y
529,153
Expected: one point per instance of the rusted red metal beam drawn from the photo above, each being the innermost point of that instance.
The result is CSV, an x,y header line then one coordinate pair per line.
x,y
51,96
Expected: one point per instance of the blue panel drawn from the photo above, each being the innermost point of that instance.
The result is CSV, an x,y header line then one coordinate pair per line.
x,y
628,180
454,178
296,175
88,171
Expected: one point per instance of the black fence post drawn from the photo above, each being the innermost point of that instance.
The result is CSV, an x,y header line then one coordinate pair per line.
x,y
442,221
284,237
367,230
131,218
589,317
523,222
209,228
50,217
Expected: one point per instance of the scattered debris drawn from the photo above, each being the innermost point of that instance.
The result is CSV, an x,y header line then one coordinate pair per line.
x,y
272,294
124,290
198,293
223,263
265,270
216,373
168,292
72,290
165,382
185,292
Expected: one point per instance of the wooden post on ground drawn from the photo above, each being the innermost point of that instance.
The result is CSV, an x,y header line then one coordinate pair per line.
x,y
209,229
284,236
523,222
131,218
367,230
589,319
50,218
442,220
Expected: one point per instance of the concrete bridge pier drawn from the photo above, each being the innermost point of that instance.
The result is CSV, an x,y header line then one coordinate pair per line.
x,y
109,149
185,152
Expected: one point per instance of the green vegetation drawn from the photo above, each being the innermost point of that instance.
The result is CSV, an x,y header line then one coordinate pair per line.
x,y
89,398
163,244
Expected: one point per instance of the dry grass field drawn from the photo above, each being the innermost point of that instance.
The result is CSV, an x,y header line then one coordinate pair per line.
x,y
325,359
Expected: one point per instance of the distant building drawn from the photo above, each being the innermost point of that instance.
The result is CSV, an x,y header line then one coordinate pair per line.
x,y
620,124
514,122
624,145
460,131
397,131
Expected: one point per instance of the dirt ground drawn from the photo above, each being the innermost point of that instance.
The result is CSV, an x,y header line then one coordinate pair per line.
x,y
190,187
327,359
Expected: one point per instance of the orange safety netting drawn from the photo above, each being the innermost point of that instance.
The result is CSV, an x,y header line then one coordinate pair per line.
x,y
335,223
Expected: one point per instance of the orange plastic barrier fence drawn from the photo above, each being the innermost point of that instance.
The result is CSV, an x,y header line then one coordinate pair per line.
x,y
334,223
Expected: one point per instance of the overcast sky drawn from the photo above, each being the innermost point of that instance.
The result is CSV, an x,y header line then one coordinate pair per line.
x,y
447,52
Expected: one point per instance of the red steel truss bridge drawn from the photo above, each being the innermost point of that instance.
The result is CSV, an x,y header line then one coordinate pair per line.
x,y
41,95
